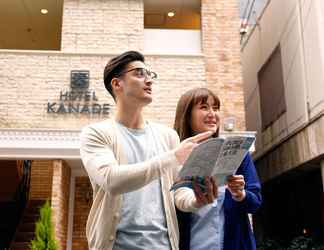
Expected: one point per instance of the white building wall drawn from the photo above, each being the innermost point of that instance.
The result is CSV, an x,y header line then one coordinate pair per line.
x,y
294,71
313,23
250,61
172,41
297,27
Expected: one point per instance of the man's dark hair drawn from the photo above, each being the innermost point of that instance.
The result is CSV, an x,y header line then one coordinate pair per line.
x,y
117,65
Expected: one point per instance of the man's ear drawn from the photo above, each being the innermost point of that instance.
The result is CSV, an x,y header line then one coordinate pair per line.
x,y
116,84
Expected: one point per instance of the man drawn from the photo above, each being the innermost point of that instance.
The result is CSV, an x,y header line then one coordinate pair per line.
x,y
132,164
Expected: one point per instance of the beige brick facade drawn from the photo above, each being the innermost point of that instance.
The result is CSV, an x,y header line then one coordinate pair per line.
x,y
221,47
109,27
25,108
92,32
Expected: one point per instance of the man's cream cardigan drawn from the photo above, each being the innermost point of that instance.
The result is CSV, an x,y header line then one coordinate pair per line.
x,y
111,176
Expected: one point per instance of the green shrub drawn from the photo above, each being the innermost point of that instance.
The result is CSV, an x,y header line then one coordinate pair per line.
x,y
269,244
301,243
44,234
298,243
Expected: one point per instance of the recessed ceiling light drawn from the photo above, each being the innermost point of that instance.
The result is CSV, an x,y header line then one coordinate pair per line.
x,y
171,14
44,11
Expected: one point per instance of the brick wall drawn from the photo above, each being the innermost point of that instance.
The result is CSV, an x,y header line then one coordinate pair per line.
x,y
60,200
31,80
175,76
220,40
109,26
82,204
41,180
34,79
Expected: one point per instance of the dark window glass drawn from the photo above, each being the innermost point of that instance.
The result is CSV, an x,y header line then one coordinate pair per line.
x,y
272,92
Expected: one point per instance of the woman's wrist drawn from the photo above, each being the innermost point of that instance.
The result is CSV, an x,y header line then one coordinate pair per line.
x,y
239,196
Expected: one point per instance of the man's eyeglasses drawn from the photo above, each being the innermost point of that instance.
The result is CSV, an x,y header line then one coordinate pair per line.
x,y
140,73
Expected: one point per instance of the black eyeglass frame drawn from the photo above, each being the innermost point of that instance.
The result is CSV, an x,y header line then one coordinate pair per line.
x,y
148,73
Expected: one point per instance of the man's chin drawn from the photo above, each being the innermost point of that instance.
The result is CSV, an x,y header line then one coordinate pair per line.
x,y
147,100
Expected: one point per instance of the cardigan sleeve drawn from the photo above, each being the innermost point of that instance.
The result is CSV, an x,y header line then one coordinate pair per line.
x,y
185,199
104,170
174,142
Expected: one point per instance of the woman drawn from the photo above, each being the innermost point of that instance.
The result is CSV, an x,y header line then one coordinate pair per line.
x,y
223,224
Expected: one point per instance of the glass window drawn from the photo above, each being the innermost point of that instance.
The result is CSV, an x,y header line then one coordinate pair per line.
x,y
272,92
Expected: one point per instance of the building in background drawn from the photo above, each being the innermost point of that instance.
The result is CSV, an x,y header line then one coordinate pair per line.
x,y
52,56
283,61
249,11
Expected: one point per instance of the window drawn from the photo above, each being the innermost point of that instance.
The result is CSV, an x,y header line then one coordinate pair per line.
x,y
172,14
272,92
30,25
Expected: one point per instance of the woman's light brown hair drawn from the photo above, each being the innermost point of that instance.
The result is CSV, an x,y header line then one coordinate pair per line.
x,y
182,121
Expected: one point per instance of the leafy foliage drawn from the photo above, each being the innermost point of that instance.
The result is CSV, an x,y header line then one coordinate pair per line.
x,y
269,244
44,234
298,243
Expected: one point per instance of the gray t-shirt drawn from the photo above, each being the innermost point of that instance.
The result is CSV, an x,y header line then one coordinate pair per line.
x,y
143,223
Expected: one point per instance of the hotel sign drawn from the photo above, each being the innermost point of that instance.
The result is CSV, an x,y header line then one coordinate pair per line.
x,y
79,99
